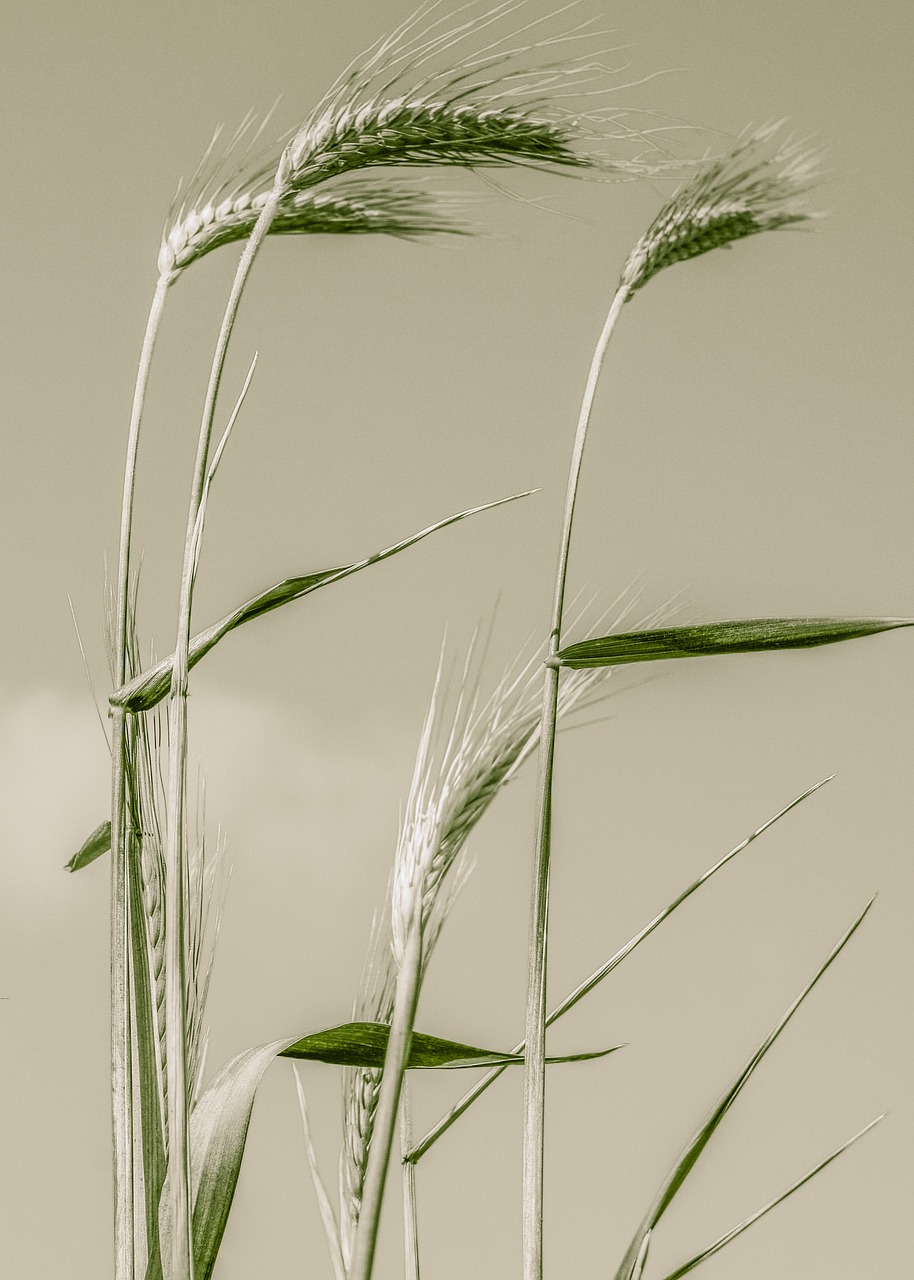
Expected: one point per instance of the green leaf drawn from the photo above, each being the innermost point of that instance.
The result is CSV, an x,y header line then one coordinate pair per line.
x,y
145,690
364,1044
218,1131
633,1262
744,635
96,844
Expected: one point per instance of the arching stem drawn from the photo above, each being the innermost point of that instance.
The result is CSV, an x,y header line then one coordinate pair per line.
x,y
535,1053
176,873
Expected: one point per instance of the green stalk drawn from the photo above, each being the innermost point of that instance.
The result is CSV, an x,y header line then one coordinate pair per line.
x,y
535,1038
123,1119
409,980
176,874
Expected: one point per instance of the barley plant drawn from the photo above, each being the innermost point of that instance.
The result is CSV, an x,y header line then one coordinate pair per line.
x,y
511,98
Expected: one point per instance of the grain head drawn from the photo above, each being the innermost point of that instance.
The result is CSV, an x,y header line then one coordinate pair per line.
x,y
757,186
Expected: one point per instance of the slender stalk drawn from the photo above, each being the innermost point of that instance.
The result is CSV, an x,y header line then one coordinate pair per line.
x,y
410,1214
123,1120
401,1031
176,878
535,1054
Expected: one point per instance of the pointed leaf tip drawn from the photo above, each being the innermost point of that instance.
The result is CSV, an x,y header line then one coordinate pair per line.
x,y
742,635
96,844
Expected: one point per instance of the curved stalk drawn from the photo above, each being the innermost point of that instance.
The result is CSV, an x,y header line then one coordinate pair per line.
x,y
535,1054
176,885
122,1109
409,980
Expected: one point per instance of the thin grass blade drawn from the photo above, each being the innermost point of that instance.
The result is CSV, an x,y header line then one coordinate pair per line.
x,y
743,635
93,847
152,685
690,1155
772,1204
604,970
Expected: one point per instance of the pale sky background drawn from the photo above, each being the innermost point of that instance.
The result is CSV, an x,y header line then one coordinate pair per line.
x,y
752,448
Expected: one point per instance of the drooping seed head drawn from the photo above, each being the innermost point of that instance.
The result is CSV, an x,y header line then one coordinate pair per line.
x,y
757,186
407,131
410,101
353,208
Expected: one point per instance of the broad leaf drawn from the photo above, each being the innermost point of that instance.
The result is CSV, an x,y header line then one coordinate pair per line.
x,y
744,635
98,843
632,1263
364,1044
150,687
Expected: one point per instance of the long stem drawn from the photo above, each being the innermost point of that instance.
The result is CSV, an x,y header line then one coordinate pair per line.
x,y
123,1120
176,874
535,1055
401,1031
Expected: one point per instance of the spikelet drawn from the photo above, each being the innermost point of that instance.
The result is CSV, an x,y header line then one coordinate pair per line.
x,y
758,186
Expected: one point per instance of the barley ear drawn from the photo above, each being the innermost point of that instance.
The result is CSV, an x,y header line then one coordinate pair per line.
x,y
758,186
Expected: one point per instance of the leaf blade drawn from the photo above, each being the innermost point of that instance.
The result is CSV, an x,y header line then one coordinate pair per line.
x,y
93,847
741,635
151,686
218,1132
364,1044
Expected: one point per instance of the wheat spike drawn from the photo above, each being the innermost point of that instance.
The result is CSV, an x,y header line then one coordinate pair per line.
x,y
757,186
355,208
459,770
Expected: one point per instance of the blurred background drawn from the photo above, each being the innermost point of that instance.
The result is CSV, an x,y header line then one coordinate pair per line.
x,y
751,449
